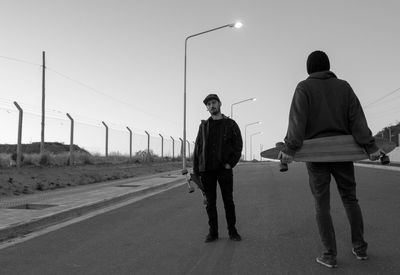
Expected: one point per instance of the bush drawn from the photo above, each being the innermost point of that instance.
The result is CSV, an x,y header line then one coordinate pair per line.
x,y
5,160
14,157
45,159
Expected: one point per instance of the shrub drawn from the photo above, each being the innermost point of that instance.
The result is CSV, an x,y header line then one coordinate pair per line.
x,y
5,160
45,159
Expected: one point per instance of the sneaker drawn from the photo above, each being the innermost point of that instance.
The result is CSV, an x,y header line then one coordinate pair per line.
x,y
360,255
328,261
211,238
235,237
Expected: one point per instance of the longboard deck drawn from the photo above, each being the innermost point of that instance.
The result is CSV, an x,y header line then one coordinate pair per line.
x,y
330,149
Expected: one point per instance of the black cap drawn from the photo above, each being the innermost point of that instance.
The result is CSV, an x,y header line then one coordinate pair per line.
x,y
210,97
317,61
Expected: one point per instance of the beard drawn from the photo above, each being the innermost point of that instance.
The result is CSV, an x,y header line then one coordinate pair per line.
x,y
215,111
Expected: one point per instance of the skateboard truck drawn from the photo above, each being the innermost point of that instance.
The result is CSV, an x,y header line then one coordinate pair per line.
x,y
197,180
283,167
190,187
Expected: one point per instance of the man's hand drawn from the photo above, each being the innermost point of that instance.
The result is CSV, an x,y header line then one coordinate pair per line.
x,y
227,166
376,155
285,158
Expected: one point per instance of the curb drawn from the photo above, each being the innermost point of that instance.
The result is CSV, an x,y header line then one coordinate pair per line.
x,y
20,229
391,168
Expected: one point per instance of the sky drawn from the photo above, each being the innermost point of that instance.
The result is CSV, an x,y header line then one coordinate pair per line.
x,y
122,62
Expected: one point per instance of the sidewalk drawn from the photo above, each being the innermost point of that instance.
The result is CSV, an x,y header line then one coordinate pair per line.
x,y
22,215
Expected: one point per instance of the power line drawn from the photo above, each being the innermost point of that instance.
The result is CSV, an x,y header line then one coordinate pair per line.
x,y
105,95
87,87
381,98
20,60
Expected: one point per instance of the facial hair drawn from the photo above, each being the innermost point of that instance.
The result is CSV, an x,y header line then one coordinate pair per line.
x,y
215,111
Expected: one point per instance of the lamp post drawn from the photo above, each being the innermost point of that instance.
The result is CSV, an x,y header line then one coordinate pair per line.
x,y
251,143
235,25
245,137
249,99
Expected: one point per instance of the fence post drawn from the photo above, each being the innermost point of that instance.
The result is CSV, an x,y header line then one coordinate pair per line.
x,y
105,125
162,146
148,144
43,104
182,147
188,143
19,134
173,147
71,144
130,142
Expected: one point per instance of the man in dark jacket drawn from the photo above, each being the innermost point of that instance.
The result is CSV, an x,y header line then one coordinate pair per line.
x,y
322,106
217,150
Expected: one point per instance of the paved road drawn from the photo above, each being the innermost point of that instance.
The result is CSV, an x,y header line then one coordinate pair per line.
x,y
164,234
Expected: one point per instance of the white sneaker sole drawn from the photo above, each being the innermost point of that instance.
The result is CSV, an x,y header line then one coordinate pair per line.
x,y
358,257
325,264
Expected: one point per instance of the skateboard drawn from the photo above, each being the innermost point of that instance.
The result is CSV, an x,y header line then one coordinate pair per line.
x,y
197,180
331,149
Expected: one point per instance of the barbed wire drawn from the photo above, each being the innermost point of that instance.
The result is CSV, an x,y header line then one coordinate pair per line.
x,y
88,87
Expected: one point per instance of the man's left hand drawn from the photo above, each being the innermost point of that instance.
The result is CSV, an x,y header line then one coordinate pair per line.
x,y
285,158
227,166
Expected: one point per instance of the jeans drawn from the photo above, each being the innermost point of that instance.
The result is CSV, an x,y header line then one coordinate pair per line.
x,y
225,179
319,179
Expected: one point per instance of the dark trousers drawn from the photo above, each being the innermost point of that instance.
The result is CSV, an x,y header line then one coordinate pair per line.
x,y
225,179
319,178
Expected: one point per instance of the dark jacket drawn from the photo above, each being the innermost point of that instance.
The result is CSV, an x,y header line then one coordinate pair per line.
x,y
322,106
229,147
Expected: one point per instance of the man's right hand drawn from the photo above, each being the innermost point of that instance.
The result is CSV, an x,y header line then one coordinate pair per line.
x,y
376,155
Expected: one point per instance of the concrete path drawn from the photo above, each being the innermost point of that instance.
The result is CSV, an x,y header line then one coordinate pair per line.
x,y
22,215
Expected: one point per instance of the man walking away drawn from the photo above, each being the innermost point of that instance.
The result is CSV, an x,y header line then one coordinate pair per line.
x,y
323,106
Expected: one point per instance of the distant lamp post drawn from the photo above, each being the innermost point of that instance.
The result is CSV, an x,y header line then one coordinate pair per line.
x,y
245,137
236,25
251,144
249,99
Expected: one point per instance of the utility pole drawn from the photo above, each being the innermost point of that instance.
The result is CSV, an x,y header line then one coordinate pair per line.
x,y
43,103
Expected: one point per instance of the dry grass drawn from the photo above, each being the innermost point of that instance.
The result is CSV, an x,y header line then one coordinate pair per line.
x,y
81,158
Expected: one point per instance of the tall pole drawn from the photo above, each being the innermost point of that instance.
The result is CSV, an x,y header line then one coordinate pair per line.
x,y
173,147
162,146
245,137
43,102
148,144
19,153
251,144
236,25
105,125
71,143
130,142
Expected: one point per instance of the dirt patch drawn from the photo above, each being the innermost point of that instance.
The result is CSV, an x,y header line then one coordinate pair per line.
x,y
31,179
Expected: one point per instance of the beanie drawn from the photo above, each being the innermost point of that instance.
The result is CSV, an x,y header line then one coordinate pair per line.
x,y
317,61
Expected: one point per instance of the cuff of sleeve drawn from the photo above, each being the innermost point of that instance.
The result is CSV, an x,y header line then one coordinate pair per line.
x,y
371,148
289,151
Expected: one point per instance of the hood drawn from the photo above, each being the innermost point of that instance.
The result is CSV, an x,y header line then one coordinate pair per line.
x,y
322,75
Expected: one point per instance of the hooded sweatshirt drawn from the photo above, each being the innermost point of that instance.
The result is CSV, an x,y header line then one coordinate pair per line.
x,y
322,106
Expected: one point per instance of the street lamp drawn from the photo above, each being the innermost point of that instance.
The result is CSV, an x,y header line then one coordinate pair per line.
x,y
249,99
245,137
236,25
251,143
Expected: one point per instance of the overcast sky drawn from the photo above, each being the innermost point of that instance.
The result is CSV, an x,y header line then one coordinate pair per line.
x,y
122,61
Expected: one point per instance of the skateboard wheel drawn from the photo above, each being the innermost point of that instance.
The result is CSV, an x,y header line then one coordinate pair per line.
x,y
385,160
283,167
